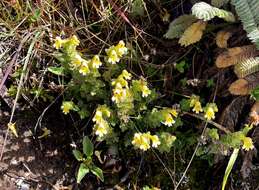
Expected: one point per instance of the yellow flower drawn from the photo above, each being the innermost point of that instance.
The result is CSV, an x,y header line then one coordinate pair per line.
x,y
58,43
76,61
98,116
209,114
155,140
247,143
196,104
169,121
126,74
95,62
113,57
84,69
173,112
141,141
210,110
121,49
119,95
74,40
197,107
67,106
101,128
12,128
193,100
145,91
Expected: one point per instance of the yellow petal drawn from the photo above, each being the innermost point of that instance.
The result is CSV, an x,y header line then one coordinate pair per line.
x,y
12,128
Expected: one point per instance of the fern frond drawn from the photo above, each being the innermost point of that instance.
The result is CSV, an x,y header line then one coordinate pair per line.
x,y
247,67
179,25
206,12
219,3
247,11
254,37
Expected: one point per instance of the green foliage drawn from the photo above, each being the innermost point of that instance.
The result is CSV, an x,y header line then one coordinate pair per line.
x,y
88,147
87,164
138,7
185,104
181,66
57,70
213,133
255,93
179,25
167,141
210,83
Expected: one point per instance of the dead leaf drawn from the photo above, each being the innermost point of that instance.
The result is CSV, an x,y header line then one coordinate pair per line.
x,y
193,33
246,85
239,87
235,55
222,38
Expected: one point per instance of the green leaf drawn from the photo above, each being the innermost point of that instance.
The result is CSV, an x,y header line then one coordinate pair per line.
x,y
180,66
213,133
97,172
56,70
179,25
230,165
88,147
138,8
35,16
255,93
185,104
78,155
210,83
82,171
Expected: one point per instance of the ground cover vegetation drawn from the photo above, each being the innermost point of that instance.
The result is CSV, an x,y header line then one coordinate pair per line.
x,y
129,94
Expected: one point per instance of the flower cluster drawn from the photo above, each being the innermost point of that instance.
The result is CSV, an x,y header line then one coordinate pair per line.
x,y
115,53
68,43
143,140
195,104
210,110
141,86
168,116
84,66
121,91
101,126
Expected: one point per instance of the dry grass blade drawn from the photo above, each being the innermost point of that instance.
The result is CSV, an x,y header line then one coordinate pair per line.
x,y
222,38
235,55
193,33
